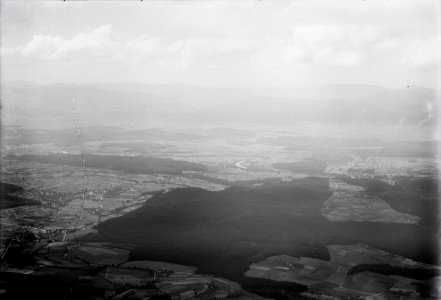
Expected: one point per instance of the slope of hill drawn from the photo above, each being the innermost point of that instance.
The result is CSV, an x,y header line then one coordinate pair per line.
x,y
417,196
223,232
29,104
9,200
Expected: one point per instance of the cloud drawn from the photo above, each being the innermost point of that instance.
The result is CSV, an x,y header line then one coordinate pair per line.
x,y
94,44
331,45
263,41
356,45
42,47
423,54
342,45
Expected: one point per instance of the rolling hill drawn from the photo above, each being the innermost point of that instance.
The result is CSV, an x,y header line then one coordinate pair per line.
x,y
126,105
223,232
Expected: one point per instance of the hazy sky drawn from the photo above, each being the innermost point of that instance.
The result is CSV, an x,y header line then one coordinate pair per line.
x,y
225,43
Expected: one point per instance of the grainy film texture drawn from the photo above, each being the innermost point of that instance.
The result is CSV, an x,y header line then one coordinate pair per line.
x,y
220,150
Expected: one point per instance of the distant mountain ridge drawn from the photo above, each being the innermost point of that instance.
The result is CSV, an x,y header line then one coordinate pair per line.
x,y
394,107
29,105
128,104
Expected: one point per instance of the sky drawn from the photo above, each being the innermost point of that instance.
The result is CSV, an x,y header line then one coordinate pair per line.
x,y
223,43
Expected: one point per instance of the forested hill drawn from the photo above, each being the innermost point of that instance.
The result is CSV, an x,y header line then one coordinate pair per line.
x,y
224,232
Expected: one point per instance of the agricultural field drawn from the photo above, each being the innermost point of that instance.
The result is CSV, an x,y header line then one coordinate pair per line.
x,y
333,191
62,199
351,203
100,254
340,272
159,265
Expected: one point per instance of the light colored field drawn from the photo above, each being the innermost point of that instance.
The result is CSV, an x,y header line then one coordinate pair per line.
x,y
126,279
349,203
158,265
315,272
101,255
277,275
371,282
235,174
57,245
